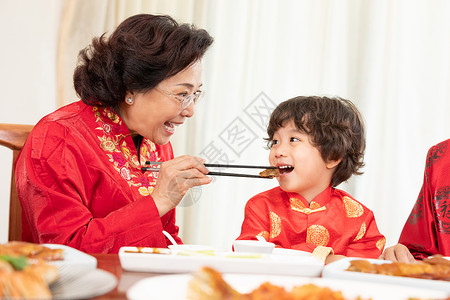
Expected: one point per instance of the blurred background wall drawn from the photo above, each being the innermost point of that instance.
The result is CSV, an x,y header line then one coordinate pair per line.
x,y
390,57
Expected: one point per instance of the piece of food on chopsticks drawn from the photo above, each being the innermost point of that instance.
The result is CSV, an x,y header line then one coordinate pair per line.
x,y
432,268
24,274
270,173
208,284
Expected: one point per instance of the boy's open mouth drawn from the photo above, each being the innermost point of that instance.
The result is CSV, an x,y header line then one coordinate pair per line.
x,y
285,169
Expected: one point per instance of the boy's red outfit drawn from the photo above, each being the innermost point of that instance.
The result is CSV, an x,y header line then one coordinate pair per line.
x,y
332,219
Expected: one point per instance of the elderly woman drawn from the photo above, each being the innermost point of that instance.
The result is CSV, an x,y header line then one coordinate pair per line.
x,y
79,176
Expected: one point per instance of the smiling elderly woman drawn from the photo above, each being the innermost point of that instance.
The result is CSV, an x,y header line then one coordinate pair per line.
x,y
79,176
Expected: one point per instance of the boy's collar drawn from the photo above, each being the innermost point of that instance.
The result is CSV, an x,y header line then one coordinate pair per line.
x,y
320,200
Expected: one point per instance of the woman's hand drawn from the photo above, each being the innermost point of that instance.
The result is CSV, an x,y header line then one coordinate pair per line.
x,y
175,178
398,253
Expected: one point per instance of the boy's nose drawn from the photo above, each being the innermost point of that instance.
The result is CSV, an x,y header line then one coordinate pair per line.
x,y
279,154
280,151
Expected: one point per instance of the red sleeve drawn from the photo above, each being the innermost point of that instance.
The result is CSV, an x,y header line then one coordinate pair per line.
x,y
255,220
419,233
369,242
66,200
168,221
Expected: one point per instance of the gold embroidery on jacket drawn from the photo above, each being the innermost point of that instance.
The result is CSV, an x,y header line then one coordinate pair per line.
x,y
317,235
381,243
264,234
298,205
361,233
275,225
352,208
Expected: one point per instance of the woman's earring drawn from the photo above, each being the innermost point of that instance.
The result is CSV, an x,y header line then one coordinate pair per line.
x,y
129,100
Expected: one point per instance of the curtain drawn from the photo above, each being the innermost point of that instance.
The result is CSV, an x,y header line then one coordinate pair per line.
x,y
389,57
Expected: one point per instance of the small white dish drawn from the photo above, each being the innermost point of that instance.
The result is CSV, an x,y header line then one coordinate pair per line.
x,y
252,246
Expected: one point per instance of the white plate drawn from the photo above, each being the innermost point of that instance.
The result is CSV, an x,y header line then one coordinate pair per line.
x,y
162,287
73,256
79,277
283,251
338,268
81,283
228,262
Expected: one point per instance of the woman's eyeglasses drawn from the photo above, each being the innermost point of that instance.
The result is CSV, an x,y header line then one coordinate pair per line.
x,y
185,101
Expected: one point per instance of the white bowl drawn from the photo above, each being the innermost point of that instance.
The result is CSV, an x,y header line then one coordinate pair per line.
x,y
252,246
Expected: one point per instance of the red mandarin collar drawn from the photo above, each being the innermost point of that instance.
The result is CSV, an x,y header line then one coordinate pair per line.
x,y
322,199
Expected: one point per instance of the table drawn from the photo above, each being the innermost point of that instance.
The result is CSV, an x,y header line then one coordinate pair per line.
x,y
125,279
111,263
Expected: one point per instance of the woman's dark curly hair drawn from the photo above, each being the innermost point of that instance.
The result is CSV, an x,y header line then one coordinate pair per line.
x,y
143,51
334,126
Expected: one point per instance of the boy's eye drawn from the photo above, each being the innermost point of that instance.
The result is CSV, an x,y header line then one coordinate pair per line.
x,y
294,139
272,142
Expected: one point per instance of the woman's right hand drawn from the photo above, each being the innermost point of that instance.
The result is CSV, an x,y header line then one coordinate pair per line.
x,y
175,178
398,253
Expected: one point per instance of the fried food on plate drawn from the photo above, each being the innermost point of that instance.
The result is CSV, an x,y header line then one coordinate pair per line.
x,y
32,282
208,284
436,268
31,250
24,274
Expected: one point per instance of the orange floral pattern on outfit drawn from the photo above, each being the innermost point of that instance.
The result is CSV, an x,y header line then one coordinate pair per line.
x,y
298,205
317,235
264,234
361,233
352,208
112,133
314,205
275,225
381,243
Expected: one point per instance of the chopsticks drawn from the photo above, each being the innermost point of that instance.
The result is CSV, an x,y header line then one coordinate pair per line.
x,y
152,169
235,175
218,165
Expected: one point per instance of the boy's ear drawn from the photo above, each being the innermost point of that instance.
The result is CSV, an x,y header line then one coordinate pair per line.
x,y
333,163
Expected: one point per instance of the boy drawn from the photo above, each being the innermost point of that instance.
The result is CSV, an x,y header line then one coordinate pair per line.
x,y
316,143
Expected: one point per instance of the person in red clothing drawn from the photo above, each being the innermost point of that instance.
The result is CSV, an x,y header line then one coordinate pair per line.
x,y
79,175
427,230
316,143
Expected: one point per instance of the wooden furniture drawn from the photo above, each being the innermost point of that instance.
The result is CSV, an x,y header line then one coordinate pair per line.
x,y
14,136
